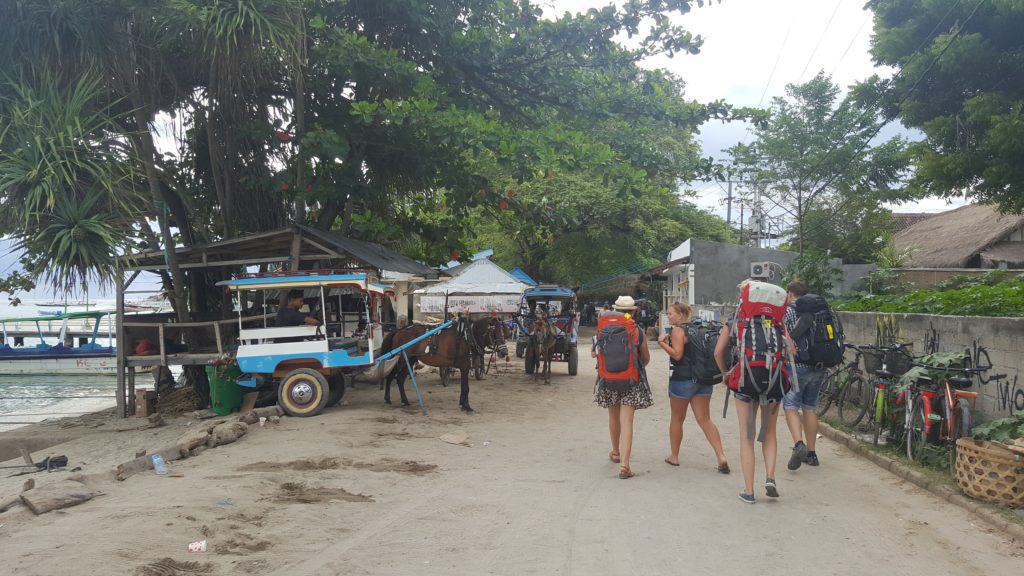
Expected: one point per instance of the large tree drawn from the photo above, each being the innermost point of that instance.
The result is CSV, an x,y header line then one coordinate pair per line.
x,y
812,157
961,82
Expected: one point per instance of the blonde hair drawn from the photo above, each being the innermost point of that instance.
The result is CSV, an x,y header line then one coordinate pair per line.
x,y
684,310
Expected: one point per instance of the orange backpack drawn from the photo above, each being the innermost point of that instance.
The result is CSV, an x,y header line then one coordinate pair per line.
x,y
618,352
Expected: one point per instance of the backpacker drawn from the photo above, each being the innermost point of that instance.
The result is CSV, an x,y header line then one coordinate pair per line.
x,y
818,333
760,371
698,360
618,348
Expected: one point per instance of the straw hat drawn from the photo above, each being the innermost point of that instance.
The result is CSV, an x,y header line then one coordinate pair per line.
x,y
624,303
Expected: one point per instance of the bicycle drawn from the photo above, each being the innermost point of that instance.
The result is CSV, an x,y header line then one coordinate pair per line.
x,y
942,416
845,387
895,360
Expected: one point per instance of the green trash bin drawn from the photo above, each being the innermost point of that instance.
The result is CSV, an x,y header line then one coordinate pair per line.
x,y
225,393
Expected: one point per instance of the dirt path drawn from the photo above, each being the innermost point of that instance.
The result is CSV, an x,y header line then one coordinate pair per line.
x,y
370,489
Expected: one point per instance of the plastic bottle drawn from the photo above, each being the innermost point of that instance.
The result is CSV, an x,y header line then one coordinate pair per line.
x,y
159,465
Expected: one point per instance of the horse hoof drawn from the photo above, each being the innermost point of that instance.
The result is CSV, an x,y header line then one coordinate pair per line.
x,y
467,409
388,402
406,404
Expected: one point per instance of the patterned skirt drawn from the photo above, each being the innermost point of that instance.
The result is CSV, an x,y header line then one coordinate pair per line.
x,y
639,396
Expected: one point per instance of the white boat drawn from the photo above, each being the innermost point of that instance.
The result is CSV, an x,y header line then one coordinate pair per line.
x,y
56,356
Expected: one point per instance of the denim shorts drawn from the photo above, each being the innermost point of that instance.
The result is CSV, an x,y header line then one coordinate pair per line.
x,y
810,380
687,389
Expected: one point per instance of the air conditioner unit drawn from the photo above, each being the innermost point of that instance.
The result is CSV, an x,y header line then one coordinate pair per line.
x,y
761,270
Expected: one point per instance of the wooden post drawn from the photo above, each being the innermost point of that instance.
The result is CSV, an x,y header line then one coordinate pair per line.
x,y
216,334
163,349
131,390
121,346
296,250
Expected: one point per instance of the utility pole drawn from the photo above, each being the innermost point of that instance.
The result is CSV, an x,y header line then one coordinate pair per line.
x,y
728,207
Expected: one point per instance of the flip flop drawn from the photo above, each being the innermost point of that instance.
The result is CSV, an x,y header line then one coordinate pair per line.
x,y
671,463
625,472
723,468
614,457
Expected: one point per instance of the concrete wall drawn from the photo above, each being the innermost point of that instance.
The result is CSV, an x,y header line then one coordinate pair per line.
x,y
852,274
1002,337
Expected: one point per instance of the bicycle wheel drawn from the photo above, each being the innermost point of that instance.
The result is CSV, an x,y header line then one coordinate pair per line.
x,y
878,414
854,400
916,434
961,429
828,393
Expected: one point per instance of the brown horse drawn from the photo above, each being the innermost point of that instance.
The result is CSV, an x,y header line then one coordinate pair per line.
x,y
542,339
447,349
489,333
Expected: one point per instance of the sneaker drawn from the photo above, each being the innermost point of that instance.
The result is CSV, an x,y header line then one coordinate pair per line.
x,y
799,455
811,459
770,489
748,498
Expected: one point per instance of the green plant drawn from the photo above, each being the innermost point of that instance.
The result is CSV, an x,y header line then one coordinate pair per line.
x,y
975,299
889,256
938,359
816,271
1001,430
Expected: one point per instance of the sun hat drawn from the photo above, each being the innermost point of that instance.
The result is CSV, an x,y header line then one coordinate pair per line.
x,y
624,303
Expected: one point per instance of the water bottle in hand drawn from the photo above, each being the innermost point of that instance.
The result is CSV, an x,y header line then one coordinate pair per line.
x,y
159,465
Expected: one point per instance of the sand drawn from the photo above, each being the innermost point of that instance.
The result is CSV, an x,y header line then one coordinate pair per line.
x,y
367,488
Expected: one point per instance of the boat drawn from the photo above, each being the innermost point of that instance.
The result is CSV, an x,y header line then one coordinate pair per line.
x,y
59,355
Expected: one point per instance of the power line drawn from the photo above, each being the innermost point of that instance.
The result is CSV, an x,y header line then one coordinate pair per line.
x,y
850,45
777,58
820,38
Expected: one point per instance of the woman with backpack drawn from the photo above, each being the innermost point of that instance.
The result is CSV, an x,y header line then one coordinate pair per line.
x,y
683,389
622,404
760,377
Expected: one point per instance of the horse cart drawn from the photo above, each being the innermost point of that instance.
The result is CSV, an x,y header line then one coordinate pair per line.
x,y
557,305
309,363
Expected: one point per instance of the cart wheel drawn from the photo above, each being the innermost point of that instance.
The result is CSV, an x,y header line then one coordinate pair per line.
x,y
446,376
574,360
530,361
337,392
520,349
303,392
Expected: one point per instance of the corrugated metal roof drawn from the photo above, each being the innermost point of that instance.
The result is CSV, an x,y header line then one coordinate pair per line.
x,y
374,254
522,276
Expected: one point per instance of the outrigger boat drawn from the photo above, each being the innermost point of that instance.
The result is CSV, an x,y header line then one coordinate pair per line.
x,y
59,356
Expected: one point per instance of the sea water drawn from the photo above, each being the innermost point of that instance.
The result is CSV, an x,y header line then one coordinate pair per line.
x,y
34,398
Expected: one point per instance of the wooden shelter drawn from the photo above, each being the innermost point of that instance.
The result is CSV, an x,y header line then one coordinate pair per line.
x,y
293,247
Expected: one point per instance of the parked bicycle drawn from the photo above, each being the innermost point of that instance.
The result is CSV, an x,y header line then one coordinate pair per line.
x,y
887,363
845,387
942,416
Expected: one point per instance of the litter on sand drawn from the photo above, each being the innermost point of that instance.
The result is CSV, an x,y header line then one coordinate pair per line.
x,y
458,437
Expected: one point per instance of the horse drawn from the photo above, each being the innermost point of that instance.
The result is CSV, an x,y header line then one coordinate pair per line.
x,y
449,348
542,339
488,333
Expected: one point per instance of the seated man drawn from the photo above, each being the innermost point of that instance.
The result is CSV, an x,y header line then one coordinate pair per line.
x,y
289,315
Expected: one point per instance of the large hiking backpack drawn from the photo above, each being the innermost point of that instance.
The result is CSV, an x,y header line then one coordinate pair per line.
x,y
699,354
818,333
618,352
760,343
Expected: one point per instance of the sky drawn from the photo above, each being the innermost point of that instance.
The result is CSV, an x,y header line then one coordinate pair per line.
x,y
752,50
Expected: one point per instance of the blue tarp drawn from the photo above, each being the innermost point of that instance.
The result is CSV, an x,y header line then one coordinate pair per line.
x,y
522,276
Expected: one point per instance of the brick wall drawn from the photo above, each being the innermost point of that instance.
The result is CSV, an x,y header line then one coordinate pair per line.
x,y
1002,337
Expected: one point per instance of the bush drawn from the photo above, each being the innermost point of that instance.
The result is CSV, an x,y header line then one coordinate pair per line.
x,y
1005,298
816,271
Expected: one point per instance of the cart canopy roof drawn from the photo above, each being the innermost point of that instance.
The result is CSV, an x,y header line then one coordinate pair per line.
x,y
307,279
549,293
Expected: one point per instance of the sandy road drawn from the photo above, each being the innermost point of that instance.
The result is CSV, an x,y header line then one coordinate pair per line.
x,y
370,489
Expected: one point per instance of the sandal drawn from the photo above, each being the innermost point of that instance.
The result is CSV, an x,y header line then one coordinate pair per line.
x,y
614,457
723,468
625,472
671,463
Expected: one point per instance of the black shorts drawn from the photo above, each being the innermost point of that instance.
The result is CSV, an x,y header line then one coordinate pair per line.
x,y
759,388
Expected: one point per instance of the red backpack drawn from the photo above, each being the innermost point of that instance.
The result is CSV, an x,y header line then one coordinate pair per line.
x,y
759,340
618,352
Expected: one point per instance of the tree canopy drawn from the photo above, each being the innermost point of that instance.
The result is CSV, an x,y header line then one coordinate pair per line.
x,y
810,166
962,84
422,125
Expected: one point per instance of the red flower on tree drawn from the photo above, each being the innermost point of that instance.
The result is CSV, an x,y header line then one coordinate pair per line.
x,y
284,186
283,136
503,205
454,256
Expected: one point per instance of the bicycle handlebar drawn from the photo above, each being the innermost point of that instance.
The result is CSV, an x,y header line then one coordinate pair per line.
x,y
948,369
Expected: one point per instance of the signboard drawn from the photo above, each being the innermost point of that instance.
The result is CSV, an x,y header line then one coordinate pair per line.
x,y
502,303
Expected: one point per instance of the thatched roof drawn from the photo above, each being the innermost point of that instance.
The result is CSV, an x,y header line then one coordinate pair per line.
x,y
903,220
955,239
1010,253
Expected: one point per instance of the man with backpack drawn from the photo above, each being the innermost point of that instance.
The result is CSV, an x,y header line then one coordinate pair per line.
x,y
816,339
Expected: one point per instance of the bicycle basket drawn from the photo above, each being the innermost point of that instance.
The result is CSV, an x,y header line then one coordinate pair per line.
x,y
872,361
898,361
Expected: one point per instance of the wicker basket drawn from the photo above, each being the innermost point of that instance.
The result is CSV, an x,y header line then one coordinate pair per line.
x,y
988,471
